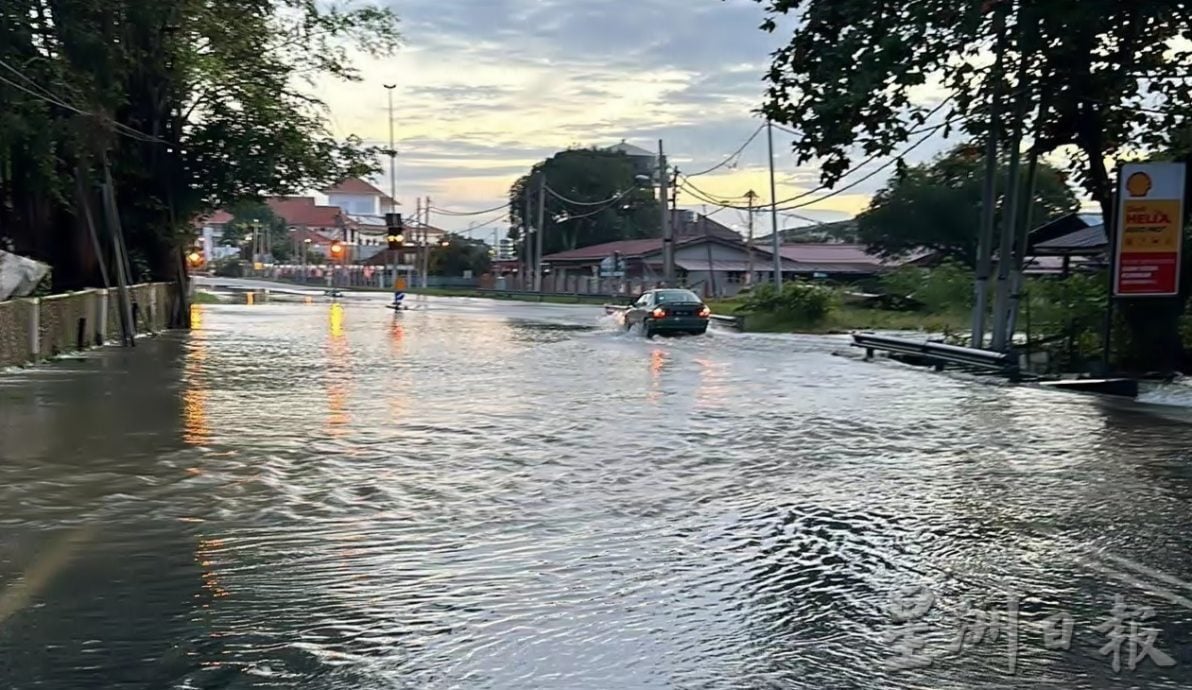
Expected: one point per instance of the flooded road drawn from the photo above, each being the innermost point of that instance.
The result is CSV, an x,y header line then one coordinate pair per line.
x,y
476,494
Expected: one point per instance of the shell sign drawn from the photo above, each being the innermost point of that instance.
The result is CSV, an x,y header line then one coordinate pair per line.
x,y
1150,230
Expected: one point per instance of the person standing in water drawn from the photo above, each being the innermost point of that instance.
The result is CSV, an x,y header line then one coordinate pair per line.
x,y
399,293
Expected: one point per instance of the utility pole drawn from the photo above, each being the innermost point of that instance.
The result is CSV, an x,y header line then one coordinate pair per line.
x,y
525,255
703,224
775,240
414,240
1003,340
751,196
668,228
541,232
989,189
426,242
394,256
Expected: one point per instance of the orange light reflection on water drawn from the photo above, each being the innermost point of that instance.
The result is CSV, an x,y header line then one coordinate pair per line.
x,y
658,360
338,373
195,428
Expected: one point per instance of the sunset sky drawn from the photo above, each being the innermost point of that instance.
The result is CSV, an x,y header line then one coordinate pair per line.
x,y
488,87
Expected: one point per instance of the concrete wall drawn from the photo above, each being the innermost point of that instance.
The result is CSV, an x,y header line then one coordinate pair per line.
x,y
37,328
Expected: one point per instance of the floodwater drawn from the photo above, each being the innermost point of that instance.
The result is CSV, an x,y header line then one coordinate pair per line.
x,y
475,494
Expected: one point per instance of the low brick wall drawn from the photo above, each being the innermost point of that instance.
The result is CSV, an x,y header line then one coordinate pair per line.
x,y
36,328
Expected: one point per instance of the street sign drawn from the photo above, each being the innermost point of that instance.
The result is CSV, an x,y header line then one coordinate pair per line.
x,y
612,267
1150,226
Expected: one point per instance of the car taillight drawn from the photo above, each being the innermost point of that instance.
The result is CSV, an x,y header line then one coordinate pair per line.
x,y
705,312
659,313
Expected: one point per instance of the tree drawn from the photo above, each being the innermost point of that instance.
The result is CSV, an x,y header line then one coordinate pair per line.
x,y
249,214
937,206
192,105
593,196
1100,79
460,255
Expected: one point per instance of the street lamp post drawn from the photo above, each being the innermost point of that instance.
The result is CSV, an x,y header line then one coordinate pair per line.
x,y
394,256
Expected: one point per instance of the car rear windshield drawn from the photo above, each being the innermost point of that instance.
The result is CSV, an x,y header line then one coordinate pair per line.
x,y
670,296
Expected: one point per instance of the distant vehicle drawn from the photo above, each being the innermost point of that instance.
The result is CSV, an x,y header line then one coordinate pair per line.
x,y
668,311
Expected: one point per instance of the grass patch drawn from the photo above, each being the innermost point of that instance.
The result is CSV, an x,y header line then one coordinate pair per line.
x,y
843,318
201,297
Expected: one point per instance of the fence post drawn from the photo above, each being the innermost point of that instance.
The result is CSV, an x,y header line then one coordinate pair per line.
x,y
101,319
35,329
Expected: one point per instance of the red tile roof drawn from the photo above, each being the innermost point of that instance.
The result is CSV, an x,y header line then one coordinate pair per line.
x,y
301,211
626,248
220,217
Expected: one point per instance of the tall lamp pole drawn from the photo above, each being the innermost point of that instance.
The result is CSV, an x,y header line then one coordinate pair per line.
x,y
394,257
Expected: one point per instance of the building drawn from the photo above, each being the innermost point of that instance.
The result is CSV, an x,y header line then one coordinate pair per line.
x,y
211,230
359,198
710,258
843,261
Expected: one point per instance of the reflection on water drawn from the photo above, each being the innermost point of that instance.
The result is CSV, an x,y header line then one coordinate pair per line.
x,y
194,397
338,373
337,497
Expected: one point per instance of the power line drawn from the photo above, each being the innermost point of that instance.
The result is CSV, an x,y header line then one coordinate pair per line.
x,y
448,212
831,194
616,197
47,96
735,154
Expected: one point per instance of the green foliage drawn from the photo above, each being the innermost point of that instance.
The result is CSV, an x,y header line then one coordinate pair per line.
x,y
229,268
845,78
197,104
586,176
799,301
947,287
1068,317
937,206
458,256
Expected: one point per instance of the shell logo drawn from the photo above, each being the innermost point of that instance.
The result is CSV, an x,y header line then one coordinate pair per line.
x,y
1138,184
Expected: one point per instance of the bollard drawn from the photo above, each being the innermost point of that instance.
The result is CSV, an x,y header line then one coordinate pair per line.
x,y
35,330
81,334
101,333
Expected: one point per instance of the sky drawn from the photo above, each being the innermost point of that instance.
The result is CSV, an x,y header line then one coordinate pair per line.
x,y
487,88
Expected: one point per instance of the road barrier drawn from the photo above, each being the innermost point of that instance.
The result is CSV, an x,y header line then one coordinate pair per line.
x,y
36,328
937,355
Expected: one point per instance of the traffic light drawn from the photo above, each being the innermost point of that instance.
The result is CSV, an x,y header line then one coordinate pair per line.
x,y
396,226
337,250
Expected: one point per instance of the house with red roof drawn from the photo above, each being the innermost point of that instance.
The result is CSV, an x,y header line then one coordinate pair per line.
x,y
709,257
359,197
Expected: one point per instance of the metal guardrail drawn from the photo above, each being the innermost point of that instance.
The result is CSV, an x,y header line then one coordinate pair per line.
x,y
937,355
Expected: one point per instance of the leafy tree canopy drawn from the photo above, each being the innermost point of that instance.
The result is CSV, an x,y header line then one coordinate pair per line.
x,y
604,201
458,256
937,206
1103,76
197,104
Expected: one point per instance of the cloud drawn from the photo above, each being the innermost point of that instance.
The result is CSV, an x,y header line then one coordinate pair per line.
x,y
488,87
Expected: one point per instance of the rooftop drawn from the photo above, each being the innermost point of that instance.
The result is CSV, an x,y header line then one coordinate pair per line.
x,y
358,187
301,211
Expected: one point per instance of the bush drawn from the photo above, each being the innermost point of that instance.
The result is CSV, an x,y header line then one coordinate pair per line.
x,y
797,300
947,287
229,268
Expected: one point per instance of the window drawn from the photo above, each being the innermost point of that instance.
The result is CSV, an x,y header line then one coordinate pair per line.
x,y
672,296
734,277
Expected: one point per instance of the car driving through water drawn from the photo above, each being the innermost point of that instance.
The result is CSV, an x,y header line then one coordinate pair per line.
x,y
669,311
